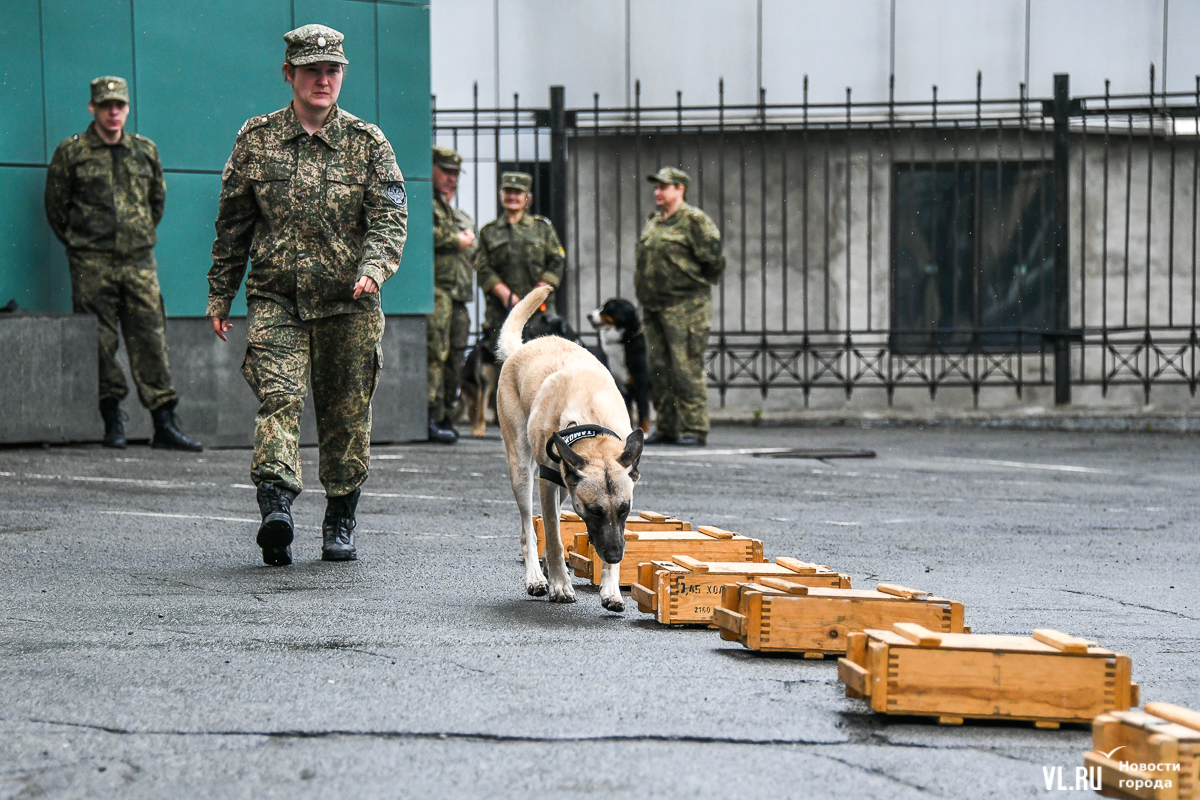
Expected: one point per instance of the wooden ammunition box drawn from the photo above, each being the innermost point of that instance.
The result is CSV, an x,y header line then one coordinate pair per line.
x,y
774,616
1164,735
706,543
571,524
684,591
1048,678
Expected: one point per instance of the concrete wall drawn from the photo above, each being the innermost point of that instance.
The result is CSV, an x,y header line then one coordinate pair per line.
x,y
48,379
823,265
605,46
48,383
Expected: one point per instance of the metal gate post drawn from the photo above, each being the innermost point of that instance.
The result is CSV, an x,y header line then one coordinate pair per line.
x,y
1062,248
558,182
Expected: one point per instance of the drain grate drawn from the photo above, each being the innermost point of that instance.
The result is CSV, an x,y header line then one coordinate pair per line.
x,y
820,453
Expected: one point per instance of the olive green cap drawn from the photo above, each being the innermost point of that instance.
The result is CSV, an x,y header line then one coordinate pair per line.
x,y
109,87
310,44
446,158
670,175
517,180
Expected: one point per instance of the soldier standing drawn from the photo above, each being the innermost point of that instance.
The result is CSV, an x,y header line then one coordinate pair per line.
x,y
679,258
518,252
313,197
448,327
104,198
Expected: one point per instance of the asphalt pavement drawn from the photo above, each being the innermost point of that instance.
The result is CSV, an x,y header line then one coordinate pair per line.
x,y
145,652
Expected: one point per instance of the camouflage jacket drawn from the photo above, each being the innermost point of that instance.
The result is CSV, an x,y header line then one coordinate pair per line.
x,y
677,258
312,213
518,256
105,197
452,265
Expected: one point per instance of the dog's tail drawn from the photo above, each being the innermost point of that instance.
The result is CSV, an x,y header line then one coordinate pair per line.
x,y
510,335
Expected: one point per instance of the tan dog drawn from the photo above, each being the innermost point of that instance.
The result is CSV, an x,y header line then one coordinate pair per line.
x,y
555,400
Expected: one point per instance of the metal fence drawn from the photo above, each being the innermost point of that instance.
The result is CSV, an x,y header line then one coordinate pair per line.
x,y
927,244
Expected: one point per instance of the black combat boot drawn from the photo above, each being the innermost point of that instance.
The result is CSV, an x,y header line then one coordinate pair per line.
x,y
276,532
439,434
337,531
166,431
114,426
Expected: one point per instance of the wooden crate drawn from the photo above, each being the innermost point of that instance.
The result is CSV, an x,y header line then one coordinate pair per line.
x,y
1163,735
571,524
773,616
1048,678
706,543
684,591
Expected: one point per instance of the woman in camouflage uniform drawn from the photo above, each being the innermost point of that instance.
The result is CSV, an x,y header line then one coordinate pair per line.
x,y
313,197
518,252
679,259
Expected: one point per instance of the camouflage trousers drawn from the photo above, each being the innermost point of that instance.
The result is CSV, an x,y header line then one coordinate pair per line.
x,y
122,291
342,357
676,338
447,329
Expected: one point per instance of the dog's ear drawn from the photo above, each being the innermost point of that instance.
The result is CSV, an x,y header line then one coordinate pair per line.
x,y
573,462
633,453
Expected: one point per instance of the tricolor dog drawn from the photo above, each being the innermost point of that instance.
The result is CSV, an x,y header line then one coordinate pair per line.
x,y
566,430
623,343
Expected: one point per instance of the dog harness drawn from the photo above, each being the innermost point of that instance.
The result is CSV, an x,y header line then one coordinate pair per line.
x,y
570,434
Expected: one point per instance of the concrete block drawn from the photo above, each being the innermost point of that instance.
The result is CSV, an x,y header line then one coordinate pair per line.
x,y
217,407
49,379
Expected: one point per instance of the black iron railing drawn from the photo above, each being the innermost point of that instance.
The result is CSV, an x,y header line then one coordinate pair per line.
x,y
933,244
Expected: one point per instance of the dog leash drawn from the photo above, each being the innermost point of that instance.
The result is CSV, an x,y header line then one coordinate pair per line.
x,y
570,434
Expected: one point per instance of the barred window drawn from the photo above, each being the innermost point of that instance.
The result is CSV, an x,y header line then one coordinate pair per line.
x,y
972,255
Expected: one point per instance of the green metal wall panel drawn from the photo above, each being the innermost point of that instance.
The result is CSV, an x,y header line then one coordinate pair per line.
x,y
80,43
204,67
197,70
403,80
410,291
185,240
22,133
25,238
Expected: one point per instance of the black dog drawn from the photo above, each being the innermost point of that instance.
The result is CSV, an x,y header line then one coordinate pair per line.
x,y
482,371
624,346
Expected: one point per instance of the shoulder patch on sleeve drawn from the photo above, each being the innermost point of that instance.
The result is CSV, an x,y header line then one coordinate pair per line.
x,y
395,192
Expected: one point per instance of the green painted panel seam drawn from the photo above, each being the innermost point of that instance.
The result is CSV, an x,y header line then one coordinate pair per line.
x,y
415,4
133,58
42,57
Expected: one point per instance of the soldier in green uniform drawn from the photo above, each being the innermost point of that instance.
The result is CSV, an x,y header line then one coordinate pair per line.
x,y
104,198
448,327
313,197
679,258
518,252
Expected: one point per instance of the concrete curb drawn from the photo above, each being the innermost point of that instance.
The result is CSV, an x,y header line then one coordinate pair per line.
x,y
1145,420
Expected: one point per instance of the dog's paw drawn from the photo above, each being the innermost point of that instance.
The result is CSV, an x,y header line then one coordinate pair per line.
x,y
562,594
537,588
616,604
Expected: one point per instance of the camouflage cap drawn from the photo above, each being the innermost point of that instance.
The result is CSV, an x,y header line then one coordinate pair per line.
x,y
446,158
517,180
310,44
670,175
109,87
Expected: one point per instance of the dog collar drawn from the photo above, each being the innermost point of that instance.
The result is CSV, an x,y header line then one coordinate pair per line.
x,y
570,434
573,433
629,337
